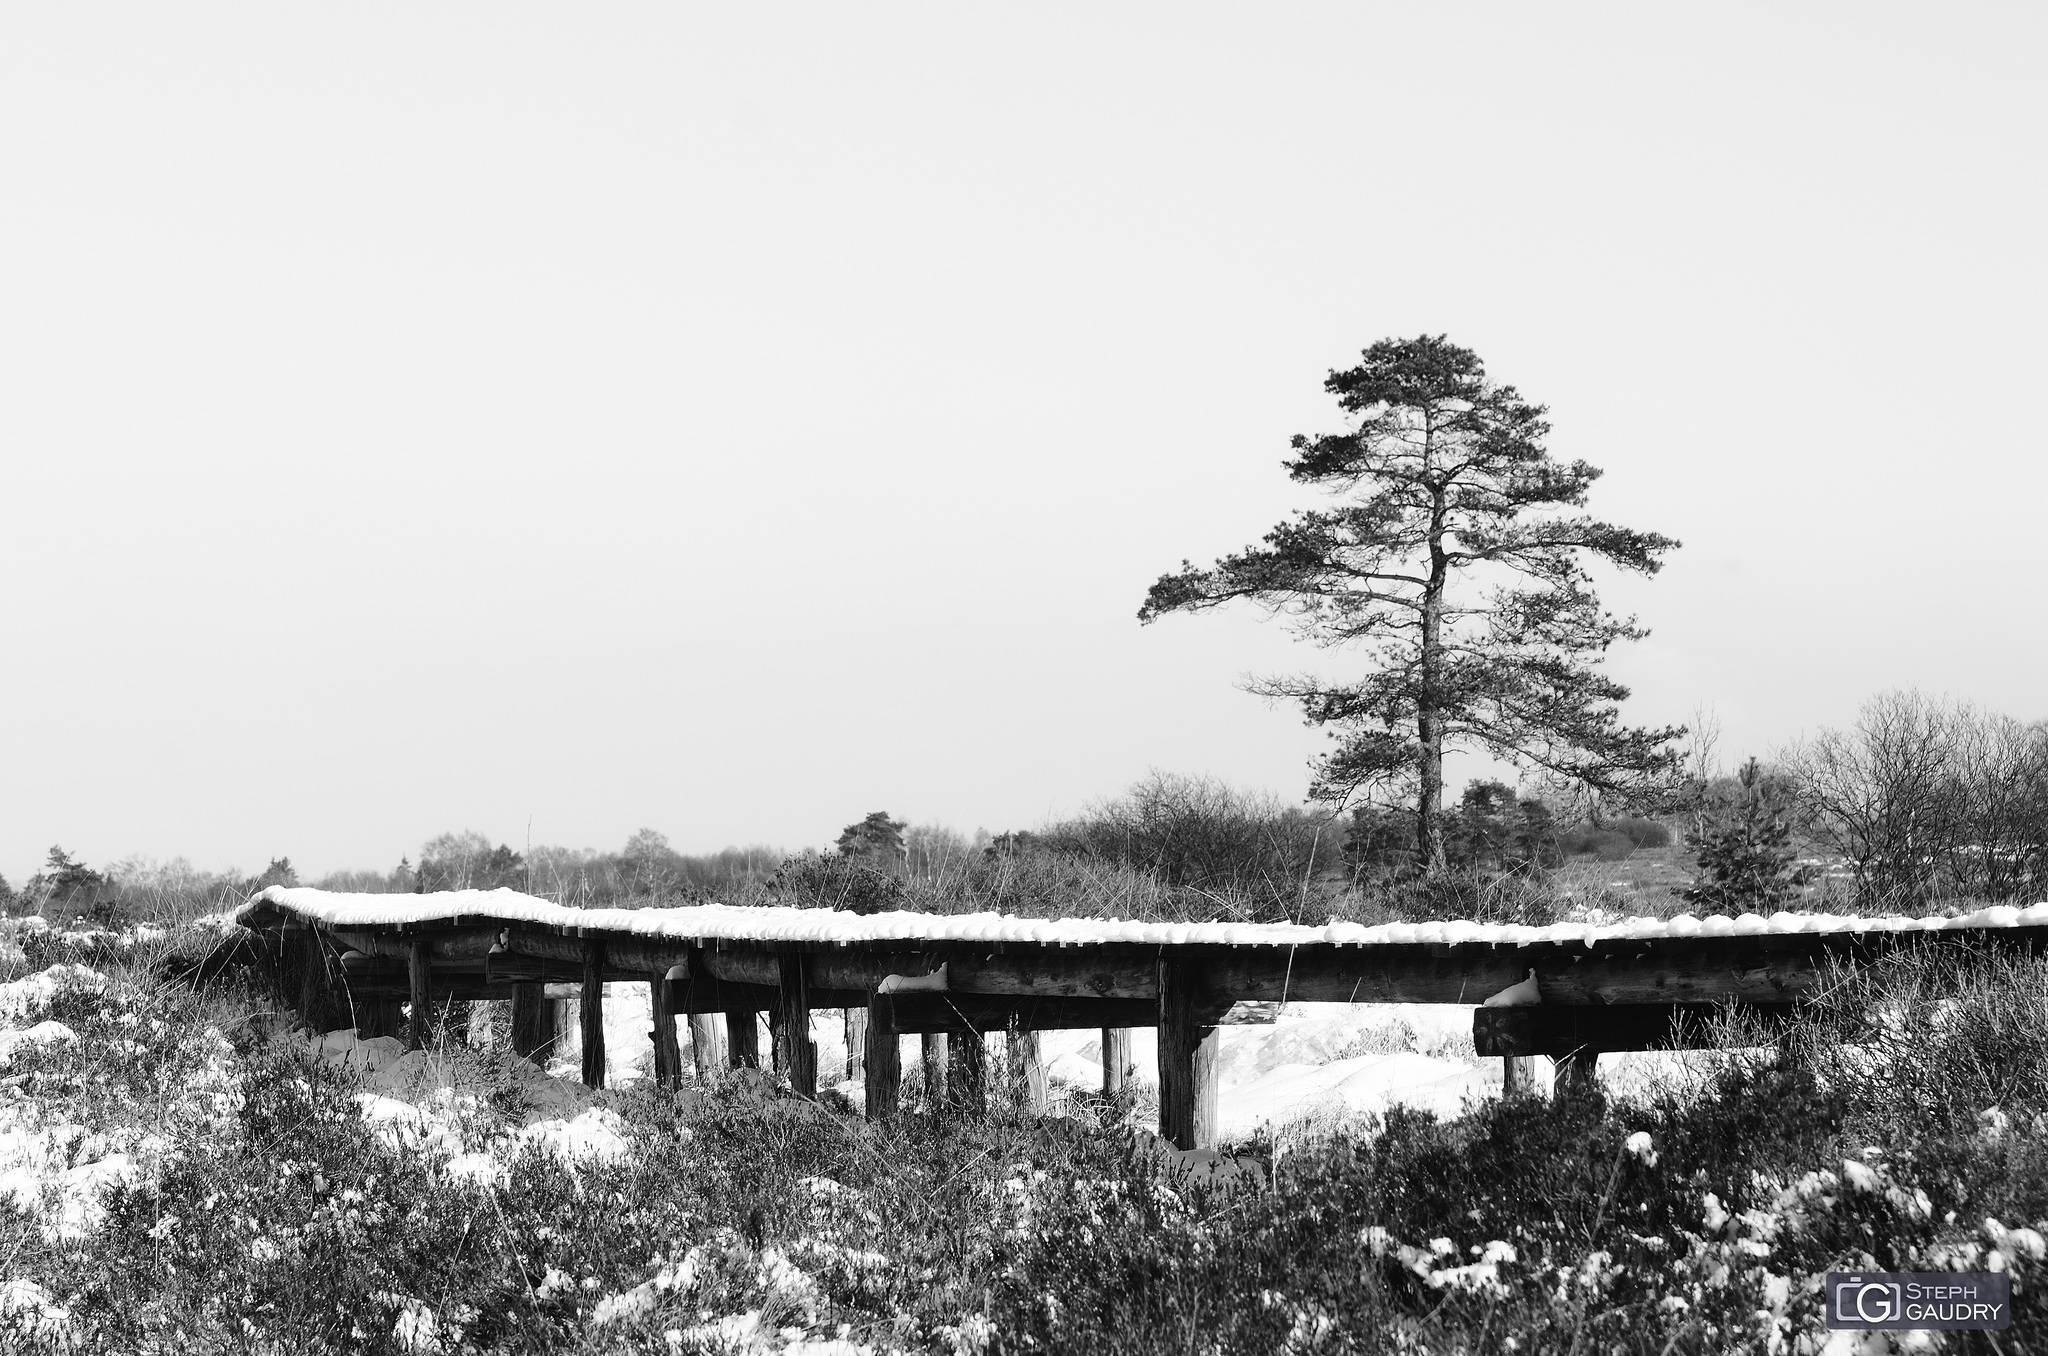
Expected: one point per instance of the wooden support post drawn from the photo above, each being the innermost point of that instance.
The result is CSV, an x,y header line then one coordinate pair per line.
x,y
743,1039
533,1023
935,1061
856,1041
793,1005
1575,1074
1187,1059
778,1036
1116,1059
668,1055
707,1046
1517,1075
593,1012
568,1026
968,1078
1027,1070
882,1062
421,976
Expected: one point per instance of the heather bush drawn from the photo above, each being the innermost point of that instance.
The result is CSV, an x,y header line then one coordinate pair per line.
x,y
1643,833
1605,844
1905,1126
812,880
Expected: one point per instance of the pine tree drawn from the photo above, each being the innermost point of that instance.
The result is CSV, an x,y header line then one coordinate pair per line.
x,y
876,840
64,881
1454,553
1744,844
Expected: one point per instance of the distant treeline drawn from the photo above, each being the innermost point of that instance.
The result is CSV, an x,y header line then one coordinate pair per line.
x,y
1929,803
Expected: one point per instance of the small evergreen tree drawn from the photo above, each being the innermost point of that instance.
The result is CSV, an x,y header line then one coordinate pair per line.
x,y
1534,837
501,868
1744,845
876,841
68,883
279,872
1477,833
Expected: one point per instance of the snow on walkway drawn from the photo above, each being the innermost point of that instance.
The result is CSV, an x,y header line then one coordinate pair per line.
x,y
782,923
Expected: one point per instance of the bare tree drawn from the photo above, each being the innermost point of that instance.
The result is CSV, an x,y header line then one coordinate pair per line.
x,y
1883,793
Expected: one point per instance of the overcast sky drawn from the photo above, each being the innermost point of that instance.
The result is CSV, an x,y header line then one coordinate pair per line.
x,y
733,420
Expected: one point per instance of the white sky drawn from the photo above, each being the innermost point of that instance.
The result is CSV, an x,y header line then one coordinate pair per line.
x,y
735,420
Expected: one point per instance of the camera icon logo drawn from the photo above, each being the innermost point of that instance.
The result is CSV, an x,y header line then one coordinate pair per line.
x,y
1868,1301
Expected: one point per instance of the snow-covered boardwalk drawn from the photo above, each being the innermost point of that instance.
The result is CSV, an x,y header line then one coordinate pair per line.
x,y
1569,990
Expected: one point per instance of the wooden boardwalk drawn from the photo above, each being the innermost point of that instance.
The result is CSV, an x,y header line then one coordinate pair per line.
x,y
1596,993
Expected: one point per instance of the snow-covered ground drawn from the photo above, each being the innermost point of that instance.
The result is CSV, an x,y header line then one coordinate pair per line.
x,y
1315,1065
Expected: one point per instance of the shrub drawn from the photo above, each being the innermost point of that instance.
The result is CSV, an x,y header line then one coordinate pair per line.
x,y
1608,845
1200,833
1480,897
1643,833
811,880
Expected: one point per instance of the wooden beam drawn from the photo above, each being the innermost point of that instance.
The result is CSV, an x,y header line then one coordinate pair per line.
x,y
593,1012
1755,967
1187,1056
533,1024
1542,1029
422,994
701,993
632,957
1062,972
513,968
794,1008
951,1012
1117,1064
882,1066
470,945
738,967
456,987
668,1055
